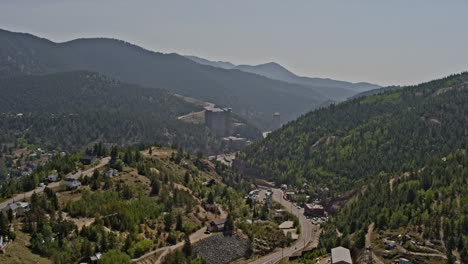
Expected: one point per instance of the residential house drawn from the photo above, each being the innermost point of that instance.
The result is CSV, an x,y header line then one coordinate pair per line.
x,y
341,255
18,208
53,177
87,160
96,257
217,225
112,173
210,182
72,183
403,261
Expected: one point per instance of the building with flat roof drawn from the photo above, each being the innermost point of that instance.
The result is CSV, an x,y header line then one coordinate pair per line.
x,y
235,143
286,225
314,209
219,121
341,255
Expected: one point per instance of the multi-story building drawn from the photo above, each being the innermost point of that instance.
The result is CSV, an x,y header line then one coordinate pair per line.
x,y
219,121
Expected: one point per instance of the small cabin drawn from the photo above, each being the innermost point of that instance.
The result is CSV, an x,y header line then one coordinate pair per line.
x,y
53,177
217,225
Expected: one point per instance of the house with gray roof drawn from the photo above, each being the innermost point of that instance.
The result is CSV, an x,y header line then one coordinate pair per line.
x,y
18,208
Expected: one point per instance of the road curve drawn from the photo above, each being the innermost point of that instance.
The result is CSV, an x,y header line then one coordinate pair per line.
x,y
309,235
85,173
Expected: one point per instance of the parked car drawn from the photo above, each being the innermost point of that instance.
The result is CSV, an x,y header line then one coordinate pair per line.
x,y
42,185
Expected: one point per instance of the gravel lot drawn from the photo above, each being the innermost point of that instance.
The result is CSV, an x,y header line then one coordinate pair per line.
x,y
219,249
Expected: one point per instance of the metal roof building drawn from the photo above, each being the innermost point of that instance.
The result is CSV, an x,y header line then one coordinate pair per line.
x,y
341,255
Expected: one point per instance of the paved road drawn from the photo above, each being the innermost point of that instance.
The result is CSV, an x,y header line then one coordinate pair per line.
x,y
309,236
85,173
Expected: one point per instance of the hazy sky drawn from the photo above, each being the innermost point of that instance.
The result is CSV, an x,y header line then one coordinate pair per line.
x,y
387,42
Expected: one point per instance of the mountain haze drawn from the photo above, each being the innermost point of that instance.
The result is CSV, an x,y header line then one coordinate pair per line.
x,y
254,97
333,89
72,110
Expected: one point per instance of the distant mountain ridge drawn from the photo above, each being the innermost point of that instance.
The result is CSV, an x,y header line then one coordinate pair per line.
x,y
253,97
333,89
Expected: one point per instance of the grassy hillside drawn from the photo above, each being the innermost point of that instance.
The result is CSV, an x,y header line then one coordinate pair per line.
x,y
252,96
346,145
75,109
156,199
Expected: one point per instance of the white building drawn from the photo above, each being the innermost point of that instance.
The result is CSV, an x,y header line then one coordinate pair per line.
x,y
53,177
112,173
72,183
341,255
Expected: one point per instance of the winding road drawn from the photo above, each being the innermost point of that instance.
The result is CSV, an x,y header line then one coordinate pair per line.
x,y
309,236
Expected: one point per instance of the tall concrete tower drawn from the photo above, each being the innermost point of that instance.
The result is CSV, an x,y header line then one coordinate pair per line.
x,y
276,124
219,121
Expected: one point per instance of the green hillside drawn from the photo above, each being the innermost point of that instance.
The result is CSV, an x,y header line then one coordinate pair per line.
x,y
345,145
76,109
429,204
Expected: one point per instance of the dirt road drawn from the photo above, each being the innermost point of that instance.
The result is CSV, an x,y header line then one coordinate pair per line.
x,y
25,195
194,237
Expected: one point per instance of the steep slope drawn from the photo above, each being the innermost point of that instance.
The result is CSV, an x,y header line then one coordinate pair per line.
x,y
75,109
427,204
345,145
254,97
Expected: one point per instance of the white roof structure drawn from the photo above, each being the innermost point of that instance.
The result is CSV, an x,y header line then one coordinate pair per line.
x,y
16,205
341,255
286,225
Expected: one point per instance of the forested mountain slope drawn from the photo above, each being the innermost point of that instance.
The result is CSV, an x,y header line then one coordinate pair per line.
x,y
345,145
75,109
254,97
429,203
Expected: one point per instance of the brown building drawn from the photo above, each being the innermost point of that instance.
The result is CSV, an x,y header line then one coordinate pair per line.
x,y
217,225
314,209
219,121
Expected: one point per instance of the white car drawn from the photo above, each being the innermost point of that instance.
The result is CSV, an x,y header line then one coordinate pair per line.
x,y
42,185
